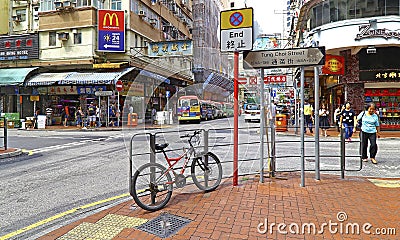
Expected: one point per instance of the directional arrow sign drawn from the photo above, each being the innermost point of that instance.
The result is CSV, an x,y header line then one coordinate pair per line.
x,y
284,58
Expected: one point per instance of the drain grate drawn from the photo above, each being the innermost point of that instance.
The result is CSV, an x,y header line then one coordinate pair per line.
x,y
165,225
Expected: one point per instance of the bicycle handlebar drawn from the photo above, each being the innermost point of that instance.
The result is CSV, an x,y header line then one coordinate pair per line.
x,y
194,134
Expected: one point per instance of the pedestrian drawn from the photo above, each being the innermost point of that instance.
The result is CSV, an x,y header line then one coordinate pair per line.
x,y
348,121
370,129
308,116
130,108
79,116
324,119
49,115
66,115
336,116
92,115
35,115
153,115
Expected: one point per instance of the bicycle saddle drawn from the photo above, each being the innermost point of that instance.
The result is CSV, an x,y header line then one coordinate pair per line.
x,y
161,146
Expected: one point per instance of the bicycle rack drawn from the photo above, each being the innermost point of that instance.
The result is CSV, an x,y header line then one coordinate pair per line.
x,y
273,142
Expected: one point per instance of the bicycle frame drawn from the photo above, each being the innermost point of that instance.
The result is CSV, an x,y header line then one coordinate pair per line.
x,y
187,154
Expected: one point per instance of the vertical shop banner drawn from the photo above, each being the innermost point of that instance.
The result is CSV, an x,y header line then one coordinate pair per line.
x,y
111,30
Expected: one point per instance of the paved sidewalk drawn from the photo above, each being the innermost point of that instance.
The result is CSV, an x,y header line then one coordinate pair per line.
x,y
242,212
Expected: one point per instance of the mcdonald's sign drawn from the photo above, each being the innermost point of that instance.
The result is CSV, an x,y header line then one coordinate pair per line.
x,y
111,30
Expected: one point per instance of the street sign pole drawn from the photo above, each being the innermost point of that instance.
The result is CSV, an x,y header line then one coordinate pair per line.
x,y
302,127
236,116
316,114
262,123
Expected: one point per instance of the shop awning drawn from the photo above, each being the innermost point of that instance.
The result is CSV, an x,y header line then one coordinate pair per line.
x,y
46,79
155,76
95,78
14,76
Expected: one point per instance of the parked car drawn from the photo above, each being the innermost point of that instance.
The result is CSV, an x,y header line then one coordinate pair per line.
x,y
252,112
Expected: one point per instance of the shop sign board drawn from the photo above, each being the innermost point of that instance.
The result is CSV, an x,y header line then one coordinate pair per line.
x,y
19,47
103,93
296,57
62,90
383,75
34,98
111,30
174,48
334,65
236,31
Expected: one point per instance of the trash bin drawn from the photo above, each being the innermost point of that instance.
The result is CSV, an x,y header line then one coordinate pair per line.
x,y
132,119
10,124
281,123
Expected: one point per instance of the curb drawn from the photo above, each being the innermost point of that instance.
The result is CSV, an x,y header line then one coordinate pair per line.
x,y
15,153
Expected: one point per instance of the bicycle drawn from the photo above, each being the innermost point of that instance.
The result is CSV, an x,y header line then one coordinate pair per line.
x,y
152,183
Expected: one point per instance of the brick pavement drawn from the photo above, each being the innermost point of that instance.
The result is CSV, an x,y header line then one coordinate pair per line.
x,y
241,212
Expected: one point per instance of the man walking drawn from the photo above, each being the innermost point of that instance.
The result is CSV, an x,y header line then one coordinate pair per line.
x,y
308,116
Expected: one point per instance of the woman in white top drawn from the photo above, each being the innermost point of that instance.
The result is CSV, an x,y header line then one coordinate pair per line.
x,y
324,119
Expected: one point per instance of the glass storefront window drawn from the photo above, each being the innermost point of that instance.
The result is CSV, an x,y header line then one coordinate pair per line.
x,y
338,10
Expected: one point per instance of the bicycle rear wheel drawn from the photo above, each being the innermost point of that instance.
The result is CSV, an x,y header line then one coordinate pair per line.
x,y
206,172
152,186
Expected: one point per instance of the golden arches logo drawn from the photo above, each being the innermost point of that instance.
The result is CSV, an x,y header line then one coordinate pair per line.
x,y
110,19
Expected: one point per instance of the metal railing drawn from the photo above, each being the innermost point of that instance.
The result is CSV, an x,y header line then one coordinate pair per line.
x,y
5,132
272,142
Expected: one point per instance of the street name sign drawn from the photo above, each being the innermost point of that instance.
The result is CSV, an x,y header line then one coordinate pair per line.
x,y
284,58
103,93
236,30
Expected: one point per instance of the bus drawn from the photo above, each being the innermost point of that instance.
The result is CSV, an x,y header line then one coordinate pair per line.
x,y
189,109
206,110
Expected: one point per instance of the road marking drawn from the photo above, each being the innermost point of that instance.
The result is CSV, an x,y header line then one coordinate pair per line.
x,y
47,220
62,146
386,183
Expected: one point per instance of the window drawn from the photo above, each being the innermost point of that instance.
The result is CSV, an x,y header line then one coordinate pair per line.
x,y
392,7
83,3
21,13
116,4
77,38
46,5
52,38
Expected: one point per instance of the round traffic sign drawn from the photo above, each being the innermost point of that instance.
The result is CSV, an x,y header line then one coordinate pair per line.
x,y
119,85
236,19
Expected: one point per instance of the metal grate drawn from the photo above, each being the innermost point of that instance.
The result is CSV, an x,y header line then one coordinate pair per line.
x,y
165,225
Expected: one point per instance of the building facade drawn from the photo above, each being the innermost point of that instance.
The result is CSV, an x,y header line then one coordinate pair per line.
x,y
57,51
365,35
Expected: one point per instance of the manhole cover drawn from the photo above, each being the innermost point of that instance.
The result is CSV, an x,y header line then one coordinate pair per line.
x,y
164,225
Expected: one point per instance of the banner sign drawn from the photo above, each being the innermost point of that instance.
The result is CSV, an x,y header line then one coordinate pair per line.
x,y
21,47
334,65
166,49
111,30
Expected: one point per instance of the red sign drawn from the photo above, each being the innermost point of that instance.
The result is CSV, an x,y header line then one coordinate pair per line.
x,y
110,20
119,85
334,65
111,30
275,79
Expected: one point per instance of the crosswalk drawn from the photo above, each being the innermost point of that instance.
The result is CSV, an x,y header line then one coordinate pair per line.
x,y
68,145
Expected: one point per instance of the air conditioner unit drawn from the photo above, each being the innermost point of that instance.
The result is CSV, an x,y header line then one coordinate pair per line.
x,y
58,5
63,36
69,4
152,21
141,13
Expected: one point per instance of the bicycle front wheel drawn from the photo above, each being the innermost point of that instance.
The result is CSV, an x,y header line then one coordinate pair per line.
x,y
206,172
152,186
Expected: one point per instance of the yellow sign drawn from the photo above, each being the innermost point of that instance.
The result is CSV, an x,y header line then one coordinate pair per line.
x,y
108,65
110,19
238,18
34,98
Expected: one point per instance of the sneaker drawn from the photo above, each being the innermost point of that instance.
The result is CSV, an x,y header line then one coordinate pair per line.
x,y
349,139
365,160
373,160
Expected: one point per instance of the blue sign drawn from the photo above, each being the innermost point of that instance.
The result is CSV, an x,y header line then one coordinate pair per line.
x,y
111,30
167,94
273,93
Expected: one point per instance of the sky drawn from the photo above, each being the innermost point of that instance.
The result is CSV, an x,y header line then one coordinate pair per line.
x,y
269,21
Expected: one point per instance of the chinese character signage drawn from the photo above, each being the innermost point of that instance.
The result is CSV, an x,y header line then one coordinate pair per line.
x,y
275,79
380,75
334,65
19,47
111,30
175,48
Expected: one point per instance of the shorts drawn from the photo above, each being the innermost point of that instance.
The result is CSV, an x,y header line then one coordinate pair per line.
x,y
92,118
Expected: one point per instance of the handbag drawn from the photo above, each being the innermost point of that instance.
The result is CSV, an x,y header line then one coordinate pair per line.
x,y
359,122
